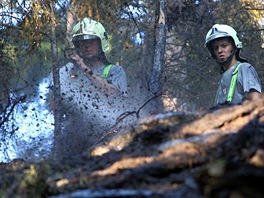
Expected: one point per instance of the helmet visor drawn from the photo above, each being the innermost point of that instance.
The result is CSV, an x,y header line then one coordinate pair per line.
x,y
84,37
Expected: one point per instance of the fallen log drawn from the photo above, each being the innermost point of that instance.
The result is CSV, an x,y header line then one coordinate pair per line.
x,y
218,153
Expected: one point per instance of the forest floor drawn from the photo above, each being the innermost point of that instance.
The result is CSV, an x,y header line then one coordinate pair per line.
x,y
218,153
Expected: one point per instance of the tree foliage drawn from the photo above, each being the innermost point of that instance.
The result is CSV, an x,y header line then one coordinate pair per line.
x,y
130,25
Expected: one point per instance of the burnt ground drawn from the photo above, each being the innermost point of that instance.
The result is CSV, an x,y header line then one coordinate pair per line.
x,y
219,153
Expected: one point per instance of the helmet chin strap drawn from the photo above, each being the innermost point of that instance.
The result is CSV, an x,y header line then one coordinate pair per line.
x,y
226,62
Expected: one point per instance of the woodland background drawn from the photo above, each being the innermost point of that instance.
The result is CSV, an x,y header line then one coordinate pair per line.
x,y
160,44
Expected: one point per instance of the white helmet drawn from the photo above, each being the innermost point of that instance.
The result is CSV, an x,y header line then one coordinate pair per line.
x,y
221,31
90,29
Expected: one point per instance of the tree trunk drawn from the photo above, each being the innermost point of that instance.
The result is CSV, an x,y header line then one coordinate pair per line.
x,y
71,18
56,78
155,84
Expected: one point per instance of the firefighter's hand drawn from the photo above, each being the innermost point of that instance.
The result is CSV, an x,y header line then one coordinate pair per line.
x,y
76,58
80,62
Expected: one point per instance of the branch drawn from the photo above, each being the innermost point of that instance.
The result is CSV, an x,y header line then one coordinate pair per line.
x,y
6,114
128,113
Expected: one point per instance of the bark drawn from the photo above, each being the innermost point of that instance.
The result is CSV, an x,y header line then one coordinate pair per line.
x,y
160,42
155,84
71,18
56,78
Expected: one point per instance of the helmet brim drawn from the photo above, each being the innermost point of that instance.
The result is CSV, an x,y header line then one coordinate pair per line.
x,y
215,36
84,37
